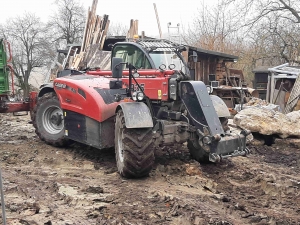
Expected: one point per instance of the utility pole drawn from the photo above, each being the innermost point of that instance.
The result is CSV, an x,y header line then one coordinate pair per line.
x,y
157,19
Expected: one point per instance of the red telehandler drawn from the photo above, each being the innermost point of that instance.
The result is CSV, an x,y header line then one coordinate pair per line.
x,y
147,100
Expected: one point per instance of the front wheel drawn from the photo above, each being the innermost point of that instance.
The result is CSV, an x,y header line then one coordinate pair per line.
x,y
134,149
48,120
197,152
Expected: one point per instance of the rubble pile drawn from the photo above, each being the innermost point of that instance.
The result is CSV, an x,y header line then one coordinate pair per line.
x,y
256,102
269,122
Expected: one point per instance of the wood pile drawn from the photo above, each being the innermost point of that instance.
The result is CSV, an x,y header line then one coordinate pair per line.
x,y
91,53
133,30
95,32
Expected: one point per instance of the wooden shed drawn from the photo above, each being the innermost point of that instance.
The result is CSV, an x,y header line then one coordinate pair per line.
x,y
210,66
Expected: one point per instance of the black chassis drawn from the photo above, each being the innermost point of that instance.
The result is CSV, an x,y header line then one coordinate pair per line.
x,y
201,123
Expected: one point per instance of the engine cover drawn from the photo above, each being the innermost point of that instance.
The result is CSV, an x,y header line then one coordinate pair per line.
x,y
87,95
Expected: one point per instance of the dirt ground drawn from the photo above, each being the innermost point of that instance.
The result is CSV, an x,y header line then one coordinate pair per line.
x,y
80,185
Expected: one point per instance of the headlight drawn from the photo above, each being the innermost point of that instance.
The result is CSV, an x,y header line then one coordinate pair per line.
x,y
138,96
134,94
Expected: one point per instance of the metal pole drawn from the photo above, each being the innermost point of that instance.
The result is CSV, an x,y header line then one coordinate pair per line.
x,y
157,19
2,200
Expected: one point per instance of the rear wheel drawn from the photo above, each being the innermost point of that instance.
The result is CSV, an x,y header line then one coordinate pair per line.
x,y
134,149
48,120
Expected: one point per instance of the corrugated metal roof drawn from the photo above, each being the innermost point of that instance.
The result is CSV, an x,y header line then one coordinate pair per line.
x,y
285,69
161,45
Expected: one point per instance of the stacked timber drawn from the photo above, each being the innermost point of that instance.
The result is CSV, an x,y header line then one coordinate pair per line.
x,y
95,32
133,30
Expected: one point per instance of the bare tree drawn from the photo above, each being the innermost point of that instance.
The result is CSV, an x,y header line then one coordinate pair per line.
x,y
27,35
117,29
214,28
260,32
278,20
68,23
257,10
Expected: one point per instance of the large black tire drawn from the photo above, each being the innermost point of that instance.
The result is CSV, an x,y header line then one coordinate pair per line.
x,y
48,120
134,149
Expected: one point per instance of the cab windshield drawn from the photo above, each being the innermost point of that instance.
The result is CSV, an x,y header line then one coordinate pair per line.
x,y
167,58
132,54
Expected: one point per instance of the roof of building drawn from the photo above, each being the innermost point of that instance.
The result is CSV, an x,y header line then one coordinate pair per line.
x,y
214,53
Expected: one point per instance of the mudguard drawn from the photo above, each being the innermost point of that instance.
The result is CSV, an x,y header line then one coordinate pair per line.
x,y
45,88
220,106
137,114
200,107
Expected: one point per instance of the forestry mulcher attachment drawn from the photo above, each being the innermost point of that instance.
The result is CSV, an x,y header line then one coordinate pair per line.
x,y
146,100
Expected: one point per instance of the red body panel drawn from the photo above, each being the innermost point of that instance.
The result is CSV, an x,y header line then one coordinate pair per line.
x,y
154,82
142,72
92,105
156,88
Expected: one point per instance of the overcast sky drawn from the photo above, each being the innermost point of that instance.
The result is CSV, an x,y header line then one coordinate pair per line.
x,y
119,11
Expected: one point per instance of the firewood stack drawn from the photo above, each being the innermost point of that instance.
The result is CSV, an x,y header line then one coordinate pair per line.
x,y
94,35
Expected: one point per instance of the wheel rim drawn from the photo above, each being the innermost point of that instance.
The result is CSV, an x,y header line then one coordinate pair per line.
x,y
53,120
120,145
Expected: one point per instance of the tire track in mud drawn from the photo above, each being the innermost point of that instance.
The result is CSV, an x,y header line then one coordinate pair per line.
x,y
36,196
267,192
80,185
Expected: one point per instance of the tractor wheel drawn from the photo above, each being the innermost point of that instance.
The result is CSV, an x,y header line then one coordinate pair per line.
x,y
48,120
197,152
134,149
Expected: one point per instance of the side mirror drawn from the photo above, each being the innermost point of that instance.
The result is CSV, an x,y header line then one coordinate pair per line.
x,y
195,56
110,46
117,67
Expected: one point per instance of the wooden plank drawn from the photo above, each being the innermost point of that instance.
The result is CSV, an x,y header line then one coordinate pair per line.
x,y
70,62
91,25
96,36
185,54
102,41
78,59
201,76
136,27
297,107
91,30
198,75
205,74
104,35
130,29
85,30
106,27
